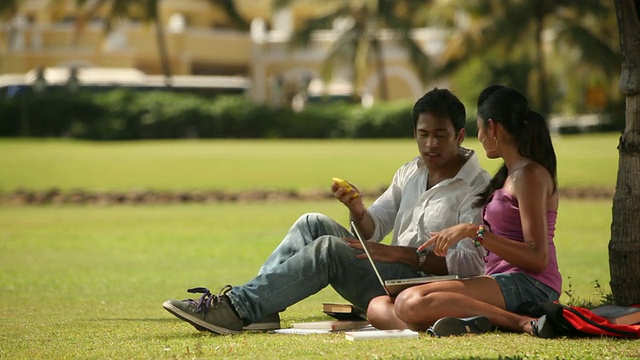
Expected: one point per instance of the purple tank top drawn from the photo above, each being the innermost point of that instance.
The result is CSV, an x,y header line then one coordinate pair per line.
x,y
502,216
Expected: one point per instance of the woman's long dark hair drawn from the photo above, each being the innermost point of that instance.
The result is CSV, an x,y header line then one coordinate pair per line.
x,y
529,130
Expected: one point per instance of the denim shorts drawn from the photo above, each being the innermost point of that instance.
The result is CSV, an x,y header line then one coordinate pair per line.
x,y
518,288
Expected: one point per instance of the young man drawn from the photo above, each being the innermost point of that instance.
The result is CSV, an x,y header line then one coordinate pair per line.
x,y
432,192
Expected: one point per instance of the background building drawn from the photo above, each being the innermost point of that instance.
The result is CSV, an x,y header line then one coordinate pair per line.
x,y
202,39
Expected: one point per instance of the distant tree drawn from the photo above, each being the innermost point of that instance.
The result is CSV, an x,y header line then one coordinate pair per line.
x,y
624,247
8,8
126,9
359,44
515,29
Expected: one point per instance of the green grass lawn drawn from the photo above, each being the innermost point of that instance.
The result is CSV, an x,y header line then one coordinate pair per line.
x,y
584,160
88,282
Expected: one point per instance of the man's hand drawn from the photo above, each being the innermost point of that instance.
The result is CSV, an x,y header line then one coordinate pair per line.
x,y
378,252
350,198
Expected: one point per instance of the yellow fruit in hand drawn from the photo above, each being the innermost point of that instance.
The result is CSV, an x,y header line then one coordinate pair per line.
x,y
344,184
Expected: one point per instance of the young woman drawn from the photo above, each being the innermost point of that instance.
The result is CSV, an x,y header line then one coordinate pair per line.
x,y
519,214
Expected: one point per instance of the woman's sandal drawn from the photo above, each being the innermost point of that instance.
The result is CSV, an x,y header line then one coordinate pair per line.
x,y
542,328
448,326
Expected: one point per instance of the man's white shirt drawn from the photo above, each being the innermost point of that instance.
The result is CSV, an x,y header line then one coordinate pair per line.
x,y
412,212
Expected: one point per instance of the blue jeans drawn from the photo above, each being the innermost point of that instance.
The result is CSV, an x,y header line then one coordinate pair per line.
x,y
311,256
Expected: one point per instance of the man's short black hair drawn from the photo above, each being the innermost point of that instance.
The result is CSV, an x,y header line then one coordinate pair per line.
x,y
443,104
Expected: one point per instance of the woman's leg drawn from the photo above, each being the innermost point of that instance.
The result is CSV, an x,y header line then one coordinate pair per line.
x,y
382,311
420,306
381,315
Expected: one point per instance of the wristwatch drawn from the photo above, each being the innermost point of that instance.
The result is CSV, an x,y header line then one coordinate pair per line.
x,y
422,257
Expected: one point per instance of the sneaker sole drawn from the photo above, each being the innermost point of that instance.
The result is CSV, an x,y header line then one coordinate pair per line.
x,y
262,326
454,326
196,322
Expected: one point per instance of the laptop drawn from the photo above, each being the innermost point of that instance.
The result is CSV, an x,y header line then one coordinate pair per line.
x,y
393,287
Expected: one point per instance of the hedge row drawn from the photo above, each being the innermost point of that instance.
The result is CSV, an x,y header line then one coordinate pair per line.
x,y
125,114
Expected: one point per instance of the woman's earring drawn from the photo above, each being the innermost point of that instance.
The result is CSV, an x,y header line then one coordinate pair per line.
x,y
494,139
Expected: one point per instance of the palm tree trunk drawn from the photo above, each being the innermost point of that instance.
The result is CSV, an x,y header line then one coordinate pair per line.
x,y
162,50
624,247
541,90
383,88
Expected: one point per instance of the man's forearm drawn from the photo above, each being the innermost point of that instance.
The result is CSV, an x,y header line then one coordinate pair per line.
x,y
364,222
433,264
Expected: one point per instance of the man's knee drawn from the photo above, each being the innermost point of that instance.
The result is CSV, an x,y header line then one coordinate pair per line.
x,y
316,224
313,218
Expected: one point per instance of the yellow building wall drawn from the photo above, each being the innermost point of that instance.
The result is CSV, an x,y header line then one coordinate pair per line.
x,y
206,46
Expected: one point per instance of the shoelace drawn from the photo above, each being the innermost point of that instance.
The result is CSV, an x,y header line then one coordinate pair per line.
x,y
208,300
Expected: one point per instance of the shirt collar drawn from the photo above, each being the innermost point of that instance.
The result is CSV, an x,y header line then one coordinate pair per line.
x,y
468,171
471,167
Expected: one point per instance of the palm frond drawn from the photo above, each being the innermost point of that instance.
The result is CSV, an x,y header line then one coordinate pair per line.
x,y
593,51
462,46
419,60
280,4
490,25
302,37
149,9
8,8
343,50
229,8
85,10
585,7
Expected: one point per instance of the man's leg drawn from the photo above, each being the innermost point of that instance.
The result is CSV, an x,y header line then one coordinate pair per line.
x,y
326,261
305,230
306,261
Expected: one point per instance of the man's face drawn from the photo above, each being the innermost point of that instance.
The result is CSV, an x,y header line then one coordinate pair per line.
x,y
437,140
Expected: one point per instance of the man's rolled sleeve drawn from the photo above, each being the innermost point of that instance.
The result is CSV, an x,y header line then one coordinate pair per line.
x,y
466,260
384,210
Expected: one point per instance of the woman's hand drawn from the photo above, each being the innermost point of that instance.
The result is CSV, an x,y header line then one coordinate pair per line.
x,y
443,240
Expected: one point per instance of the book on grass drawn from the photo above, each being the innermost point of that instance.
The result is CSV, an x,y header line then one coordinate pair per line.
x,y
621,315
343,311
380,334
332,325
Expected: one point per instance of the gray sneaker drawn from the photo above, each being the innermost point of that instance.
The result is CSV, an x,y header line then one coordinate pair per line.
x,y
210,312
